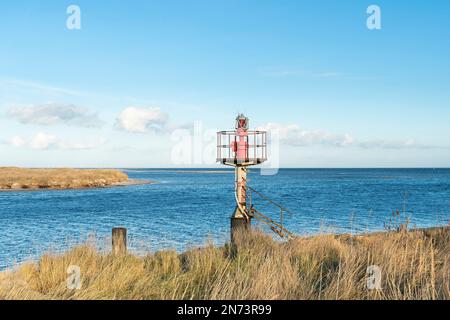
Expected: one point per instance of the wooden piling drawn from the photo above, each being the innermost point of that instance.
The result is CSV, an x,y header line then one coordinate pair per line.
x,y
238,225
119,241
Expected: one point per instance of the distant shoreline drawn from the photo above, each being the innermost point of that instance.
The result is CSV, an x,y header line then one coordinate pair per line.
x,y
20,179
131,182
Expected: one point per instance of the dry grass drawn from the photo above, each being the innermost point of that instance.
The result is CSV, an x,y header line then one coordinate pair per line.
x,y
20,178
415,265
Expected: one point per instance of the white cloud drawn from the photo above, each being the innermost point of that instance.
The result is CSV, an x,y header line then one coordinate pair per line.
x,y
280,72
330,74
407,144
81,145
45,141
142,120
293,135
55,113
17,141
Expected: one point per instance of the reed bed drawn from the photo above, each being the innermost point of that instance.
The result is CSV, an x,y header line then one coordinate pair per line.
x,y
12,178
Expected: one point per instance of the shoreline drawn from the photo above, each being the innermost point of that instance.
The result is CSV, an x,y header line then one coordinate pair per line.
x,y
25,179
130,182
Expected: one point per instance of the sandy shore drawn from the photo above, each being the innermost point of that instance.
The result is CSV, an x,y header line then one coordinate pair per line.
x,y
133,182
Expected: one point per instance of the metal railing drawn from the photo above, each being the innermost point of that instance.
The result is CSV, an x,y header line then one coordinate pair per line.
x,y
275,226
256,143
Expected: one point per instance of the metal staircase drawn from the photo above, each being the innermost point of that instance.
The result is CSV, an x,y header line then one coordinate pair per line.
x,y
275,226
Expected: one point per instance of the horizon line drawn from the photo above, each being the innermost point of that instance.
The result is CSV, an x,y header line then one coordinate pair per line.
x,y
212,168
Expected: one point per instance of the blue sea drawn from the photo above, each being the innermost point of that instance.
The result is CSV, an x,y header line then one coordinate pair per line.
x,y
187,208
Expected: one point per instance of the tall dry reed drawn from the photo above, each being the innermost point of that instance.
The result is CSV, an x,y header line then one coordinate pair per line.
x,y
414,265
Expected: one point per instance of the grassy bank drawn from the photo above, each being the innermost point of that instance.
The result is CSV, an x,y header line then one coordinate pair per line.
x,y
414,265
31,179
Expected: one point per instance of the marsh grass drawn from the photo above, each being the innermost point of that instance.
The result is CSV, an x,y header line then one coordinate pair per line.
x,y
12,178
414,264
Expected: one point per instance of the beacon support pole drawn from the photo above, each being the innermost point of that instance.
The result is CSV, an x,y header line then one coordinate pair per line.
x,y
241,219
241,148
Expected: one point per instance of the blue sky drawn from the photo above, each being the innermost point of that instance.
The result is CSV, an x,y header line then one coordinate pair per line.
x,y
113,93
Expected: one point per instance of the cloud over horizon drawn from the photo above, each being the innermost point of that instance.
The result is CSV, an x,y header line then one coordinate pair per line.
x,y
293,135
55,113
142,120
46,141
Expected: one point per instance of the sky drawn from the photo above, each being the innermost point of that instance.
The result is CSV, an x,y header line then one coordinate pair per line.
x,y
147,83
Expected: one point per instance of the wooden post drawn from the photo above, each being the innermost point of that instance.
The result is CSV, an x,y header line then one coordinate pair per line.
x,y
119,241
238,225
